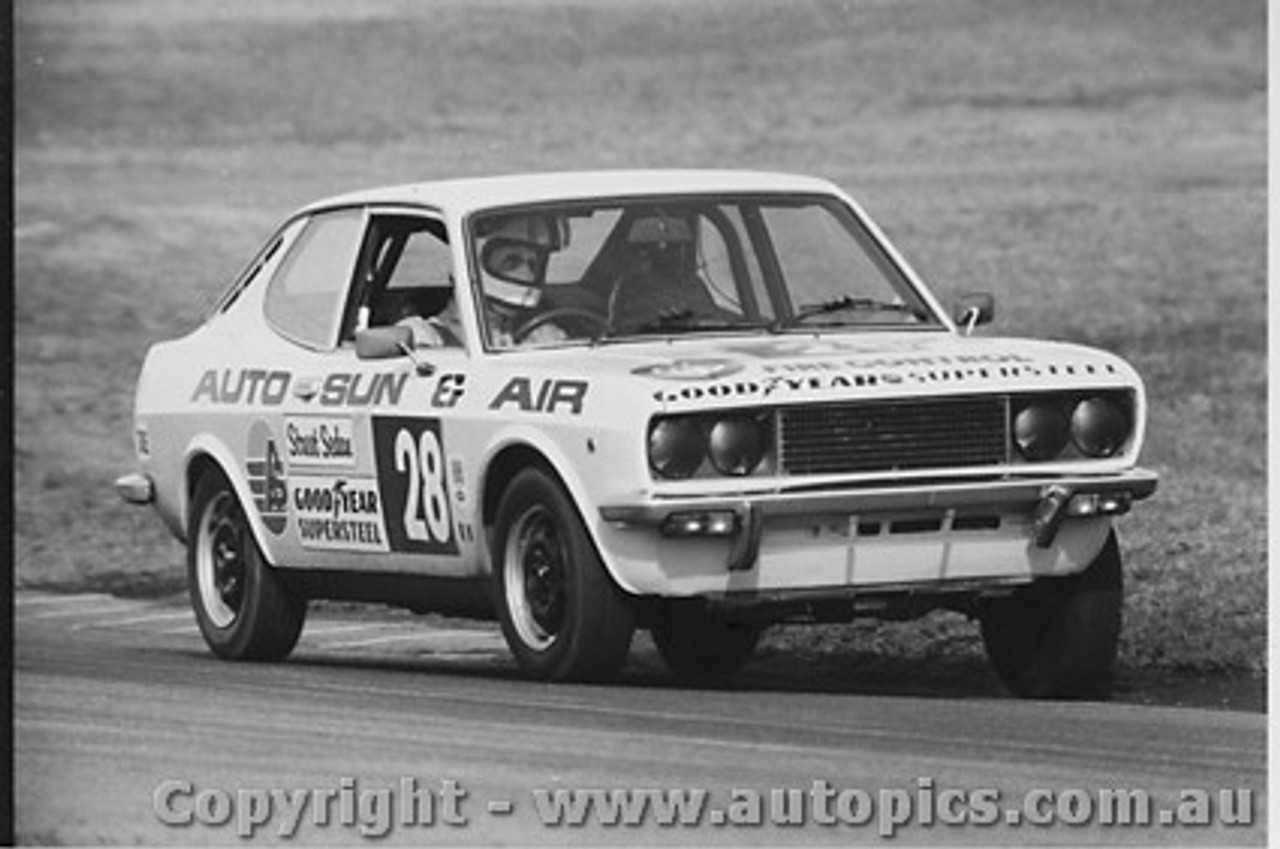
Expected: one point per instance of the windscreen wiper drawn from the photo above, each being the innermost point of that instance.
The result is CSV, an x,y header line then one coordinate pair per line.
x,y
682,320
845,303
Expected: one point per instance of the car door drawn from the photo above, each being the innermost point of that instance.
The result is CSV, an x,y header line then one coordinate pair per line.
x,y
304,462
368,440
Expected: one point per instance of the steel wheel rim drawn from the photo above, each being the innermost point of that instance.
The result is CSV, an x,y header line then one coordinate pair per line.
x,y
221,570
534,579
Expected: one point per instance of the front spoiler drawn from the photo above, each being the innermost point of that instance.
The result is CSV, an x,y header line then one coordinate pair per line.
x,y
1044,497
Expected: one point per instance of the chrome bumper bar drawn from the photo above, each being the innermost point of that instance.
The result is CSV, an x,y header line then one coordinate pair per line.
x,y
1046,498
135,488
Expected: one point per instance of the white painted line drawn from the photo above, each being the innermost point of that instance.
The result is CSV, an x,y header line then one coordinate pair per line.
x,y
324,630
453,637
425,636
466,656
37,228
134,620
81,611
189,628
375,641
23,600
462,633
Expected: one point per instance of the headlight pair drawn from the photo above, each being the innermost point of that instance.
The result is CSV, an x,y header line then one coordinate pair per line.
x,y
1098,426
734,444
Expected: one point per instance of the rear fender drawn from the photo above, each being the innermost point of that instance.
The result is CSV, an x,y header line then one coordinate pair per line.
x,y
207,449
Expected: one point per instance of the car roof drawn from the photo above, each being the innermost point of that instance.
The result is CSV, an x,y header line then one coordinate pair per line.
x,y
460,196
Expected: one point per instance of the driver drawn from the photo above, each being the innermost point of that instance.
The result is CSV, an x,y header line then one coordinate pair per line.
x,y
513,259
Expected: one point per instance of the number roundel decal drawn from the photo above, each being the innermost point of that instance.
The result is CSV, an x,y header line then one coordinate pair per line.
x,y
412,479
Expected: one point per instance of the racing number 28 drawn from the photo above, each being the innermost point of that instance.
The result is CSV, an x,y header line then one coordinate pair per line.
x,y
426,507
412,463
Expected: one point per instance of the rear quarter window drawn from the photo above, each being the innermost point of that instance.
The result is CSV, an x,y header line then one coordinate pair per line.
x,y
306,297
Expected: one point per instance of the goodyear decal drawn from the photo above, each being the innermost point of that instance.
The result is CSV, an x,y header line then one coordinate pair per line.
x,y
819,377
549,396
319,441
338,514
270,388
413,481
766,387
267,479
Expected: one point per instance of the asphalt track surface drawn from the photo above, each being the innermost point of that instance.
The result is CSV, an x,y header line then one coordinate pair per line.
x,y
118,703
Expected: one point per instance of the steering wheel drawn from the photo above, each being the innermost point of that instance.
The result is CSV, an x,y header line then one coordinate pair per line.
x,y
574,315
626,280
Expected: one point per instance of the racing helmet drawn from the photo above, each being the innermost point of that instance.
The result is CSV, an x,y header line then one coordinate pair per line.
x,y
665,241
514,256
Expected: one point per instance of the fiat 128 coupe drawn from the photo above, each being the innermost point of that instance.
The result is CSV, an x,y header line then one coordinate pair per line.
x,y
692,402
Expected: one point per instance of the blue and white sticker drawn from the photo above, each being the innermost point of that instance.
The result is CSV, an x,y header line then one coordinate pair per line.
x,y
265,470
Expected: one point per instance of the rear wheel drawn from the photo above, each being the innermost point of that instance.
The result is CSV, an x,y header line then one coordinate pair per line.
x,y
242,608
697,647
1057,638
561,613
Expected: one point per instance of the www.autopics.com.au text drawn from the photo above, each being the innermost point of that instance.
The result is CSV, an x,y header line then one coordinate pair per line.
x,y
411,803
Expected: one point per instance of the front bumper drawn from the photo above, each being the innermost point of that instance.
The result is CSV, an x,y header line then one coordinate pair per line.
x,y
1048,500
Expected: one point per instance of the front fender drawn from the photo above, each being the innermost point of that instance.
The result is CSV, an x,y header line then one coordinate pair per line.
x,y
570,458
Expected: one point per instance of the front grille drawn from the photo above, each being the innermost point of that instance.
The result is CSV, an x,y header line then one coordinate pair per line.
x,y
888,436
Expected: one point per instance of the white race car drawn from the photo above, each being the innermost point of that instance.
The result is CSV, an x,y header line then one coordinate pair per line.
x,y
694,402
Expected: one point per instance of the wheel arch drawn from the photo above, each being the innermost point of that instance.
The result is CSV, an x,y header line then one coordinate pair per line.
x,y
204,455
516,453
502,468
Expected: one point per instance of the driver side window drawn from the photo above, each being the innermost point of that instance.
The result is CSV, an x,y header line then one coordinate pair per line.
x,y
408,272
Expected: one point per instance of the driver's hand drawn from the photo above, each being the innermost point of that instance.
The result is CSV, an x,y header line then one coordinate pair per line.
x,y
545,334
427,332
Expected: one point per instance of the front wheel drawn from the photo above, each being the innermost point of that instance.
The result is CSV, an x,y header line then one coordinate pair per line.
x,y
1057,638
242,608
561,613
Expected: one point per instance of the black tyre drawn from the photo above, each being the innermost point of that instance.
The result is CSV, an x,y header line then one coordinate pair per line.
x,y
244,611
699,648
1057,638
561,613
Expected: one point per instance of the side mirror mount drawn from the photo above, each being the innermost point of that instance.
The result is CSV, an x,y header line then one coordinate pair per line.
x,y
385,343
974,308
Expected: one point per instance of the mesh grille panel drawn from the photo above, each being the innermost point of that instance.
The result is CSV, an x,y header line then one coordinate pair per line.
x,y
887,436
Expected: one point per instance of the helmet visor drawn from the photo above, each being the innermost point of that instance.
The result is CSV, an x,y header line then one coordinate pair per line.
x,y
513,261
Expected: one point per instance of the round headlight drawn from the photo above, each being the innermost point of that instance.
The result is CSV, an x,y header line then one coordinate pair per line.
x,y
676,447
737,445
1099,427
1041,431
